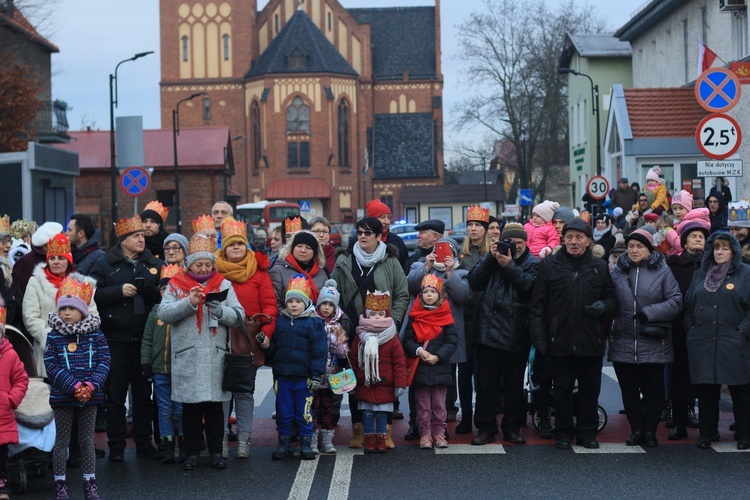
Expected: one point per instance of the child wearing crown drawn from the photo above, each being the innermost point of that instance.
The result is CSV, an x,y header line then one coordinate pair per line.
x,y
155,355
77,361
432,337
298,353
378,361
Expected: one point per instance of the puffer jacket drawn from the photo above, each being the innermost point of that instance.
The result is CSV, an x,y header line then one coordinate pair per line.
x,y
13,385
441,346
718,324
540,237
660,299
503,311
299,346
392,368
563,287
124,318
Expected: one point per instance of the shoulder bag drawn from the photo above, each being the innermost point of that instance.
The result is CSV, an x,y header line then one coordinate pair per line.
x,y
239,369
343,381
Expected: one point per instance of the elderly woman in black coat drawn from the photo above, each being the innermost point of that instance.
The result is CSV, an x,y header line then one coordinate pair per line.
x,y
717,321
648,300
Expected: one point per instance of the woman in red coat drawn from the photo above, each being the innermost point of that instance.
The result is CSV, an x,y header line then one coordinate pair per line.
x,y
248,273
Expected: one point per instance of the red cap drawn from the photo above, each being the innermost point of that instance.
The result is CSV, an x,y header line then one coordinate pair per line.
x,y
376,208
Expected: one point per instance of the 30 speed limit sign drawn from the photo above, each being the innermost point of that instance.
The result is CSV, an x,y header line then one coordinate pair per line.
x,y
718,136
597,187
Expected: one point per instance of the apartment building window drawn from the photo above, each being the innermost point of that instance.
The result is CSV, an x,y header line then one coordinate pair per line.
x,y
185,48
739,34
206,109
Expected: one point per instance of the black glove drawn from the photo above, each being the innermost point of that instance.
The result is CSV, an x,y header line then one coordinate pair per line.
x,y
541,347
313,384
596,310
148,372
640,316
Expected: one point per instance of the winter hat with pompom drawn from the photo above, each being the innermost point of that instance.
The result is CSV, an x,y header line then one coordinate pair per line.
x,y
329,293
546,209
653,173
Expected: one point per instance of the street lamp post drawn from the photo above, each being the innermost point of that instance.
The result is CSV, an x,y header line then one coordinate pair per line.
x,y
175,133
112,152
226,164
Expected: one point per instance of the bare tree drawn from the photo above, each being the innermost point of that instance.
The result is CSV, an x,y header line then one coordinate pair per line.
x,y
512,49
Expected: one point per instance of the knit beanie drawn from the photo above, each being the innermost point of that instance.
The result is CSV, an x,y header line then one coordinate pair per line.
x,y
200,247
643,237
329,293
683,198
298,288
75,292
306,238
45,233
617,212
376,208
564,214
546,209
653,173
180,239
688,228
652,217
514,230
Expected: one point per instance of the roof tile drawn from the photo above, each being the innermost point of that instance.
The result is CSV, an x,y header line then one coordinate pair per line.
x,y
663,112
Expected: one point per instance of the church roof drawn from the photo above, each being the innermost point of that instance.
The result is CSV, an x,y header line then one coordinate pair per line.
x,y
300,38
403,38
404,146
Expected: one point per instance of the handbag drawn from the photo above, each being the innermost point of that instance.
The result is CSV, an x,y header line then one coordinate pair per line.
x,y
657,329
411,367
253,324
343,381
239,369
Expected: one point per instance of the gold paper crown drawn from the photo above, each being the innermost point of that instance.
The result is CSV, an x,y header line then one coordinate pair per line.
x,y
432,281
72,287
3,312
202,223
378,301
477,213
58,245
232,227
299,283
157,207
128,226
5,224
292,225
200,243
167,272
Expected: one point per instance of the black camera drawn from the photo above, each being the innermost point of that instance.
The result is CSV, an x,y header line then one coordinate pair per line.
x,y
506,244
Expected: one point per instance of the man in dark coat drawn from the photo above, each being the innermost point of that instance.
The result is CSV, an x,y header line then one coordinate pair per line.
x,y
127,289
85,239
153,216
717,209
572,294
502,335
624,196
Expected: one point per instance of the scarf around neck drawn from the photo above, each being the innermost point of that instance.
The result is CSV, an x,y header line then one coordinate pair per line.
x,y
53,279
87,325
429,323
369,259
184,282
314,270
716,276
599,233
372,334
237,272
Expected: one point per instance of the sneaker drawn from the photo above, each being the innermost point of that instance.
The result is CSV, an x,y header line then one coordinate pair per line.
x,y
89,490
61,490
425,442
441,442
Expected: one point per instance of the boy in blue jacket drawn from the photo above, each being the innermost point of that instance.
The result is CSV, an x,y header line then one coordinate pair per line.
x,y
298,351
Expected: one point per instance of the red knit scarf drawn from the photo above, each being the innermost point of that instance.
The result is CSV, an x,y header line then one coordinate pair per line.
x,y
314,270
429,323
182,281
54,280
384,235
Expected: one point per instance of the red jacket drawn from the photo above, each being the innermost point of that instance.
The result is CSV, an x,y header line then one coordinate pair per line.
x,y
13,385
392,372
257,295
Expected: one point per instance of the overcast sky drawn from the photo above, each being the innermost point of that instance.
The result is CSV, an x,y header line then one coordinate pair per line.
x,y
94,35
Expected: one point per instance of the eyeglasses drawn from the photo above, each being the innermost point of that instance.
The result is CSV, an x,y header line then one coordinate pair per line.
x,y
321,231
6,241
365,233
173,249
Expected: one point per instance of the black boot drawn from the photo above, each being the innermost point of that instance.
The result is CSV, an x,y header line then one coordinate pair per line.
x,y
692,420
282,450
181,446
166,450
678,432
668,415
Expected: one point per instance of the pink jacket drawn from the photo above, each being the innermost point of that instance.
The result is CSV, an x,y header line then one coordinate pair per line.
x,y
699,215
539,237
13,385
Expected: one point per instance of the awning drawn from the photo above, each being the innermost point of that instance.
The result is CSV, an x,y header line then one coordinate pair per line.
x,y
297,189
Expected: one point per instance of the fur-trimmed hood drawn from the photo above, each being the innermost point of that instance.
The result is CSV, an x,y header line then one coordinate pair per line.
x,y
287,250
49,288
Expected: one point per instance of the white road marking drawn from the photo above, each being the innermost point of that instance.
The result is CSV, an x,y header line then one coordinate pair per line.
x,y
606,448
304,479
610,372
468,449
263,385
342,473
727,448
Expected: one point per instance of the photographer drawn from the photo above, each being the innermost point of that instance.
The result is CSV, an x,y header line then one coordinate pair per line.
x,y
506,277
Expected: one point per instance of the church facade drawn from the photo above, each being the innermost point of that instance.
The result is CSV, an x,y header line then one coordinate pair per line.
x,y
328,105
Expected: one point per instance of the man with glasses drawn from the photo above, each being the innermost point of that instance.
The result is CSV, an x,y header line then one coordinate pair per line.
x,y
175,249
635,217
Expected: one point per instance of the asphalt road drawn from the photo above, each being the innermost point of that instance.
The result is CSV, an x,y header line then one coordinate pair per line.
x,y
674,469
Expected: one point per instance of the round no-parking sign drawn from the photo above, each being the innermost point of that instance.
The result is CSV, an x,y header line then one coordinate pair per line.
x,y
597,187
718,136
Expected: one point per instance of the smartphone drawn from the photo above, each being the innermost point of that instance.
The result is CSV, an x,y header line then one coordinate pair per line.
x,y
140,282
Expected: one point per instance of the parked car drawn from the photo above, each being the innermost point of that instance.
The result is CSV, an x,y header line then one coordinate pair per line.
x,y
458,232
335,236
407,233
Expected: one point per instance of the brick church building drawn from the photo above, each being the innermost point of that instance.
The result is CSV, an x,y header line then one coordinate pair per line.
x,y
334,106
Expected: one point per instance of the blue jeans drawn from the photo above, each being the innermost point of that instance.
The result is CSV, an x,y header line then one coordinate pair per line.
x,y
165,406
374,422
293,404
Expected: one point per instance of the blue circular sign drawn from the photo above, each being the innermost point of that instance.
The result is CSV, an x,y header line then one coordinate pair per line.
x,y
717,90
135,181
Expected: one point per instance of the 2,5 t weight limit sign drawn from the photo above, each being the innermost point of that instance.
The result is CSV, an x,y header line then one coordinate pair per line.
x,y
718,136
597,187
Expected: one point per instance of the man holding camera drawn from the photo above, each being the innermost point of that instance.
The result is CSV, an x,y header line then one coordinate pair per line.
x,y
127,289
573,293
506,277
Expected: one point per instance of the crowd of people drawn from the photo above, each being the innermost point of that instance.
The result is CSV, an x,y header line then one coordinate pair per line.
x,y
657,283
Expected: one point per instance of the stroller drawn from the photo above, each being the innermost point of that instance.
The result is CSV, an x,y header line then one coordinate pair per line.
x,y
32,456
531,391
